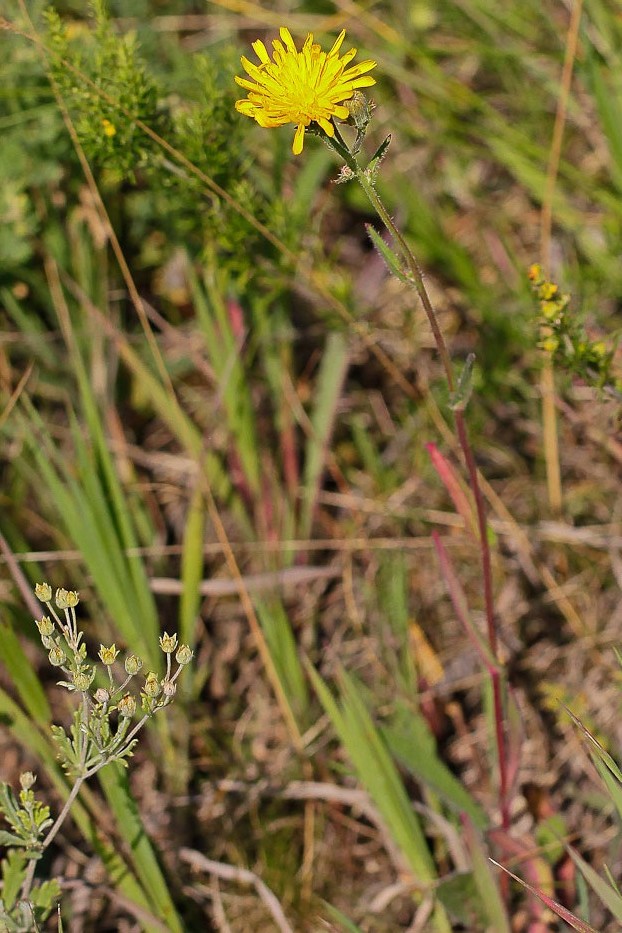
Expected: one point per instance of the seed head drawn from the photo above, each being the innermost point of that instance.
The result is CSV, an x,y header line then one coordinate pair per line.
x,y
108,655
43,591
132,664
184,655
57,656
45,626
127,706
168,643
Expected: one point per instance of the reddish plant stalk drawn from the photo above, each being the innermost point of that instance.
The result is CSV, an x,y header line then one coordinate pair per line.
x,y
491,627
419,285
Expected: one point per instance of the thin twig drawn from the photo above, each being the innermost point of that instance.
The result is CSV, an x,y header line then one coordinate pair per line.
x,y
547,381
242,876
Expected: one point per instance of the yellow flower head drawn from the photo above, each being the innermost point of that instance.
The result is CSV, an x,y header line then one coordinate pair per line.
x,y
303,87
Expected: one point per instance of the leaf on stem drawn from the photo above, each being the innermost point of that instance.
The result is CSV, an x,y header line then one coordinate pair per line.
x,y
460,604
460,398
451,482
392,260
374,163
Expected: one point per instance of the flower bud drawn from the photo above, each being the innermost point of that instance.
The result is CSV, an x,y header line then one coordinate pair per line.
x,y
535,273
184,655
549,344
102,696
359,109
108,655
57,656
169,689
43,591
152,686
27,779
132,664
47,641
127,706
168,643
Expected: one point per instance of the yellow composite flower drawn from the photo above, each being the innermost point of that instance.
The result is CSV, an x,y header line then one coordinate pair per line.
x,y
303,87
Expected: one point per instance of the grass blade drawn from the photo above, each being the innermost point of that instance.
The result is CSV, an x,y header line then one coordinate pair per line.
x,y
575,922
377,773
329,383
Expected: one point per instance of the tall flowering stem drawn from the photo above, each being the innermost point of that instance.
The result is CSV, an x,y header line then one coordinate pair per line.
x,y
313,90
415,279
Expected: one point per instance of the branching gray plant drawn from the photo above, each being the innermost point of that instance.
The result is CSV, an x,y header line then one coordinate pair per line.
x,y
104,728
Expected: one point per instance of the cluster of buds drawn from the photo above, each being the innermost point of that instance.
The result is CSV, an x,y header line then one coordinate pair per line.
x,y
28,818
62,638
67,651
564,338
157,693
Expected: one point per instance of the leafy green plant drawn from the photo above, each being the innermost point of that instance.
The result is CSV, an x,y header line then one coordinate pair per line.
x,y
118,92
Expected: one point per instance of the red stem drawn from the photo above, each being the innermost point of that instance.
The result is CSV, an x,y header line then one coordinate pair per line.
x,y
497,695
419,285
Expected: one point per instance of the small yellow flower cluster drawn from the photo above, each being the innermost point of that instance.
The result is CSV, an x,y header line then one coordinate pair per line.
x,y
552,304
563,336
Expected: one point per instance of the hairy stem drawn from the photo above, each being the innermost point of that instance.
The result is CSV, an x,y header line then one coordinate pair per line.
x,y
419,285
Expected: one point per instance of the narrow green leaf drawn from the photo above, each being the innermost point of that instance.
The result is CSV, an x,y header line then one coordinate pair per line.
x,y
344,922
378,774
283,648
486,882
393,261
409,738
328,386
20,669
606,894
114,781
378,156
376,771
192,564
611,781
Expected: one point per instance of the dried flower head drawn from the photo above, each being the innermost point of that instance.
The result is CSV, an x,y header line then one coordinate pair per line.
x,y
66,599
168,643
43,591
184,655
303,87
27,779
108,655
132,664
127,706
169,688
152,686
45,626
